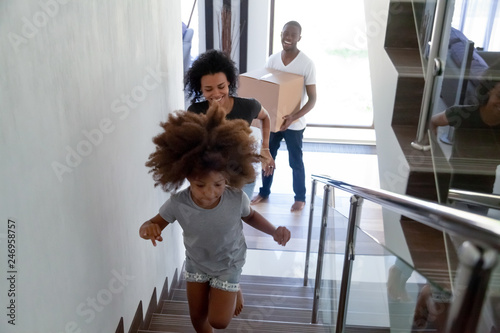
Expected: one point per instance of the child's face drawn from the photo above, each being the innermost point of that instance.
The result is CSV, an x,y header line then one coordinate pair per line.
x,y
215,88
206,190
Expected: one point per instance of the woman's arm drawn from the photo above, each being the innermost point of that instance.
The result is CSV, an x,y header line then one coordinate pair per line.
x,y
268,164
151,229
281,234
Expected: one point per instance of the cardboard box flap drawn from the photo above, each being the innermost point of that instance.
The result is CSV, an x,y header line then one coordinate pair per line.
x,y
273,76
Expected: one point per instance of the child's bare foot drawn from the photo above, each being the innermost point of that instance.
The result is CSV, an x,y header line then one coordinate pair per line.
x,y
297,206
239,303
396,286
255,200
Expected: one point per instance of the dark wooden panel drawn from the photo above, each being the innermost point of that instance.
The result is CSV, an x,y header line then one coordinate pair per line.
x,y
409,93
120,328
401,31
152,308
209,24
138,320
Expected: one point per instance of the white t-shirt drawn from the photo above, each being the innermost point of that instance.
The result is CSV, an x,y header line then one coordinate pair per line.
x,y
301,65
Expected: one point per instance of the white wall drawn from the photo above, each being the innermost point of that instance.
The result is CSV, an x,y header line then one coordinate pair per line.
x,y
258,34
393,168
83,89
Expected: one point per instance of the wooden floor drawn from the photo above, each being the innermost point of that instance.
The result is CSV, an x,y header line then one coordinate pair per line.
x,y
277,210
355,164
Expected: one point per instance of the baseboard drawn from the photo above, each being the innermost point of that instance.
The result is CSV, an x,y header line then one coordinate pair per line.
x,y
140,322
165,290
120,328
152,308
138,319
175,282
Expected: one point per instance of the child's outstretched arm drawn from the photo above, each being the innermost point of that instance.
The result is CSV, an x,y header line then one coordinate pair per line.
x,y
151,229
281,234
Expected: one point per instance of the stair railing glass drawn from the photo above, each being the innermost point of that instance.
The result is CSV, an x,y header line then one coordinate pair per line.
x,y
478,240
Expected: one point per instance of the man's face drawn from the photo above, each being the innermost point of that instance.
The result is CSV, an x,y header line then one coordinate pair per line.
x,y
289,37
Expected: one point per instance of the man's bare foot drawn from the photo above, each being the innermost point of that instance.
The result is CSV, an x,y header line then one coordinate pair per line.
x,y
255,200
297,206
239,303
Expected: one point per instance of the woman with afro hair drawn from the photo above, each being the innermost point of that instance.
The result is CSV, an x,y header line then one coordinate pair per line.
x,y
216,156
213,79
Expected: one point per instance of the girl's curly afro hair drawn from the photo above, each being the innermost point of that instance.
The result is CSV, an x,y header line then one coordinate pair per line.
x,y
196,144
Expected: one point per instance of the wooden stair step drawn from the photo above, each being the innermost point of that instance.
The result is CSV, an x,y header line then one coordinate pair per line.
x,y
180,324
279,300
270,289
263,312
289,281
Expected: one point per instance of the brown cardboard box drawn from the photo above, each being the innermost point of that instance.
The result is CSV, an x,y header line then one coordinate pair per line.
x,y
278,92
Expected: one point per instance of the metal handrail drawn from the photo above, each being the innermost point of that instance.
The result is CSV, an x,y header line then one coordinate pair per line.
x,y
482,230
433,71
475,198
482,233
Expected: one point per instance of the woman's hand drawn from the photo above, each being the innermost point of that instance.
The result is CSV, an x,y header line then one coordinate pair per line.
x,y
152,231
282,235
268,164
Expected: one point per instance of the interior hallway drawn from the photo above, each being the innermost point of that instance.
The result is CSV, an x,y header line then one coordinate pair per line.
x,y
355,164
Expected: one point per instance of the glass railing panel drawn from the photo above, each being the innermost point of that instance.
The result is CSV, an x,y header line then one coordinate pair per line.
x,y
477,175
469,163
490,315
423,13
387,292
430,258
333,253
371,303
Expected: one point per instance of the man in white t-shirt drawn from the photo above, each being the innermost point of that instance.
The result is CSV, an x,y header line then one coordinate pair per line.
x,y
292,60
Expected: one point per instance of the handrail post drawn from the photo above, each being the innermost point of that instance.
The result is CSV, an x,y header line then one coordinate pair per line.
x,y
309,231
470,287
433,70
321,252
354,215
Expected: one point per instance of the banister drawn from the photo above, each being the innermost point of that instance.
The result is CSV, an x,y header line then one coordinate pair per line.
x,y
475,198
482,235
481,230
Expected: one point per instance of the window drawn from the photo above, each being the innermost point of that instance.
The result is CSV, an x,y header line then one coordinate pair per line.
x,y
334,36
476,19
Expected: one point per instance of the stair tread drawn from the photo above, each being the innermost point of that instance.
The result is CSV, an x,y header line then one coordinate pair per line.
x,y
256,299
179,323
267,289
264,311
272,304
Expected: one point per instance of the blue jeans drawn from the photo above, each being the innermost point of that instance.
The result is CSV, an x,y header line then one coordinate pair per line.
x,y
248,189
293,141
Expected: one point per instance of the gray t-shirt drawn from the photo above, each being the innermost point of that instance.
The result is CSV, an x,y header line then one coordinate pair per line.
x,y
213,238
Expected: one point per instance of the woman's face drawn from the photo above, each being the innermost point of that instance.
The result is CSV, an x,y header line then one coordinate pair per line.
x,y
493,104
215,88
206,190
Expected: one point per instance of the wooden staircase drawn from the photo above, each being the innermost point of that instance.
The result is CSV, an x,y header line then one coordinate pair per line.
x,y
272,304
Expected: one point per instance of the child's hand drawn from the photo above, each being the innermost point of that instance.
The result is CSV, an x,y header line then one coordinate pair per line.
x,y
282,235
150,231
